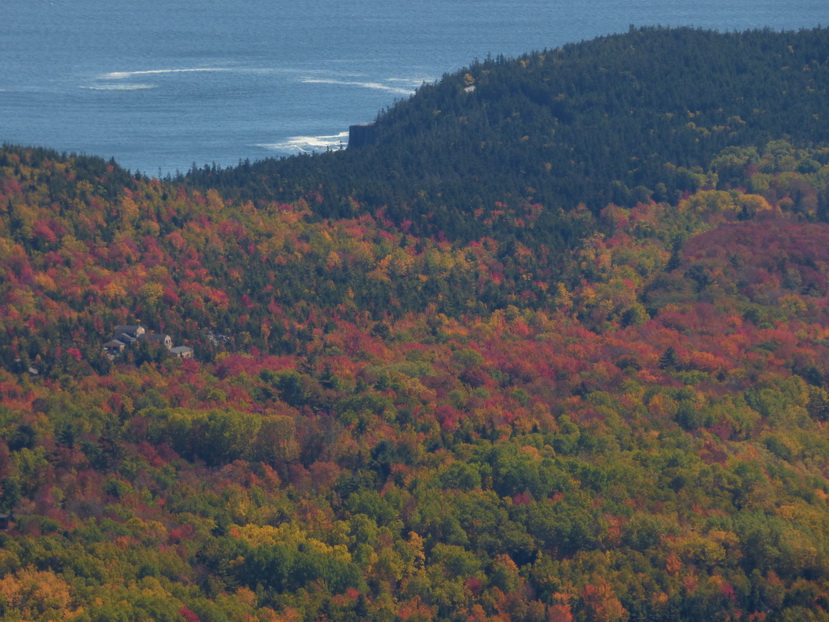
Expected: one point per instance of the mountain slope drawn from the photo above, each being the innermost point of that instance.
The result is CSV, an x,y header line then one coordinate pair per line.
x,y
471,416
618,119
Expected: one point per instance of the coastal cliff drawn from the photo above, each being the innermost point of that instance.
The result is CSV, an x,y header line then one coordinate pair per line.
x,y
361,135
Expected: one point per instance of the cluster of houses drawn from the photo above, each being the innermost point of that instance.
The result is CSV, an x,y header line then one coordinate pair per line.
x,y
125,336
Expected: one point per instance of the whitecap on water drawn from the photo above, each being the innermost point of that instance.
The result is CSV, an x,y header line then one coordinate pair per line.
x,y
366,85
122,75
414,82
120,87
306,144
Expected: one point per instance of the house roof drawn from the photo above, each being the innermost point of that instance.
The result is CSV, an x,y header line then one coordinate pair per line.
x,y
183,351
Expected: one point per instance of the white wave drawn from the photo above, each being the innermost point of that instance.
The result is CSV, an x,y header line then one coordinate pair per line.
x,y
122,75
415,82
305,144
120,87
366,85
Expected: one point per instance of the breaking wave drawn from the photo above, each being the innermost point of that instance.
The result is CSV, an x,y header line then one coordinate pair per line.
x,y
123,75
366,85
120,87
306,144
413,82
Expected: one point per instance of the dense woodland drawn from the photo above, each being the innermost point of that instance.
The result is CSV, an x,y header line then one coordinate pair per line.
x,y
552,348
621,119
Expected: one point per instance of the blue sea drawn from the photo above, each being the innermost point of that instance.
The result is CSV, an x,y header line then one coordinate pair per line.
x,y
163,85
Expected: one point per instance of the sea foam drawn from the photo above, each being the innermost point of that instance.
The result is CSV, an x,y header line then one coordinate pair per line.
x,y
306,144
120,87
414,82
366,85
122,75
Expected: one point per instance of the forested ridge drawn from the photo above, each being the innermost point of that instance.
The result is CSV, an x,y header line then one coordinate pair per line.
x,y
434,377
621,119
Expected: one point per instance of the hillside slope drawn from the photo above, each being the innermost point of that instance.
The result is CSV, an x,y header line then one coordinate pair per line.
x,y
621,419
619,119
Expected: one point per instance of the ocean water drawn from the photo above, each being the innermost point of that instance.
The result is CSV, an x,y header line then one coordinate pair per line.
x,y
163,85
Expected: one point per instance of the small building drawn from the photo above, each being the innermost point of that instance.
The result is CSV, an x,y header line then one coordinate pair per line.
x,y
182,352
128,335
126,338
114,347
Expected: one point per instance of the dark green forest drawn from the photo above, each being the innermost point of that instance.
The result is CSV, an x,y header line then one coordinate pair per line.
x,y
621,119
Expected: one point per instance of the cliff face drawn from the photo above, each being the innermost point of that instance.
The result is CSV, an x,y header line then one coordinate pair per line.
x,y
361,135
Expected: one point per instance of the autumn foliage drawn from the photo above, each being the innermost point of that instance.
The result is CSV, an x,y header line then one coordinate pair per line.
x,y
383,425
